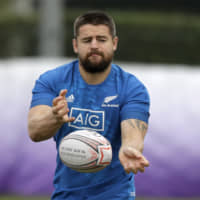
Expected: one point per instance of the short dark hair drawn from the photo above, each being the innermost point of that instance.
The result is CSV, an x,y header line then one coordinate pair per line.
x,y
95,18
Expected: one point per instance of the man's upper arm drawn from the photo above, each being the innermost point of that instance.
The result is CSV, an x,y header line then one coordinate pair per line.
x,y
43,93
135,101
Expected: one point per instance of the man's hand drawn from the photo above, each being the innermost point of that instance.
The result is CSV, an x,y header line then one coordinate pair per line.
x,y
60,108
44,121
132,160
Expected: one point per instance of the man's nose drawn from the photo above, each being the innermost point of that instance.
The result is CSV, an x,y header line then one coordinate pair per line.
x,y
94,44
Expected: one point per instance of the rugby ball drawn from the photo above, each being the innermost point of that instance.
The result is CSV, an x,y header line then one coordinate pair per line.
x,y
85,151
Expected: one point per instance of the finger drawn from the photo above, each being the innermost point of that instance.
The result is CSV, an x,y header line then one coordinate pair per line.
x,y
135,171
127,171
56,100
131,152
63,93
63,111
127,168
55,109
68,119
145,162
135,167
141,169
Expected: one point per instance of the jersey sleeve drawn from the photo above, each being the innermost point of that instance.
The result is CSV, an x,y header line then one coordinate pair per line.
x,y
136,101
43,93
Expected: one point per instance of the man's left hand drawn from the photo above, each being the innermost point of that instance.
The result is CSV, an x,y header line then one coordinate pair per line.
x,y
132,160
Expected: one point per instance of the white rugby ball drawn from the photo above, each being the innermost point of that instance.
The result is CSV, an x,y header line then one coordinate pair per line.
x,y
85,151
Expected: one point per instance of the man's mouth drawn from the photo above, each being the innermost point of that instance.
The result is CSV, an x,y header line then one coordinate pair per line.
x,y
95,54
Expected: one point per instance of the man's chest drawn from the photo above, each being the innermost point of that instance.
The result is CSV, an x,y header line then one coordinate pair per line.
x,y
93,109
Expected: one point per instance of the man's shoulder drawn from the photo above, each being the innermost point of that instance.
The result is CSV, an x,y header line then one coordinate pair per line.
x,y
60,71
127,81
123,74
63,68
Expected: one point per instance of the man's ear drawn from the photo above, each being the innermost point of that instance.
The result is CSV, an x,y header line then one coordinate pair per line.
x,y
74,44
115,43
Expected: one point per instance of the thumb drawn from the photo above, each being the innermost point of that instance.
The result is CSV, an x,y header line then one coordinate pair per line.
x,y
63,93
66,118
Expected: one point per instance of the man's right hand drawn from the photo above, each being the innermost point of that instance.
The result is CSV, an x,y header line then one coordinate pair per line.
x,y
60,108
44,121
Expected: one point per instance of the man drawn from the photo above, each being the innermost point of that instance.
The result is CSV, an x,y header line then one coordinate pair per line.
x,y
92,93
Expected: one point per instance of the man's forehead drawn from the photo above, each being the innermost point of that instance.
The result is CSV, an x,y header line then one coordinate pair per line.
x,y
88,30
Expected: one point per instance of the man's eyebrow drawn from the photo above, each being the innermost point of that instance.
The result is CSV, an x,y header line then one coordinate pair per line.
x,y
90,37
101,36
86,38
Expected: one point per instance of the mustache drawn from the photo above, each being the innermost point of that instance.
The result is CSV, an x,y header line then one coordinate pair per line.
x,y
95,52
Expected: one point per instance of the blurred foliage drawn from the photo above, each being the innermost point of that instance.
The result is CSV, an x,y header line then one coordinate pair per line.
x,y
172,5
153,37
4,5
18,35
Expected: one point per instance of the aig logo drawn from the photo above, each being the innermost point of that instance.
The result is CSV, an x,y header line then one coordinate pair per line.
x,y
87,119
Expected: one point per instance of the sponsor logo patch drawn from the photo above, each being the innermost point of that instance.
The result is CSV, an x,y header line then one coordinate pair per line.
x,y
87,119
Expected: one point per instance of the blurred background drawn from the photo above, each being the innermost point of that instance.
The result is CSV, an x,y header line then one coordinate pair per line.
x,y
159,43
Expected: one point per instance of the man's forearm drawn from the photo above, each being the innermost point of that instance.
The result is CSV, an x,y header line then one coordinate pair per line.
x,y
130,154
136,142
133,133
42,124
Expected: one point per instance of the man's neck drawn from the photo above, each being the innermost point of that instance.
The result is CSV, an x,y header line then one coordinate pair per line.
x,y
94,78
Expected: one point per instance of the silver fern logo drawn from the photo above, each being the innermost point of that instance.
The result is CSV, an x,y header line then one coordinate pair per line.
x,y
110,98
107,101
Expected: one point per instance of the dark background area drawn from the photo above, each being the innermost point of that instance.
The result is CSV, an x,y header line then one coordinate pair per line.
x,y
175,5
150,31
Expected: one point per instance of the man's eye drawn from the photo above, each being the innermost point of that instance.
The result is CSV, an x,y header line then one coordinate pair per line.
x,y
86,40
102,40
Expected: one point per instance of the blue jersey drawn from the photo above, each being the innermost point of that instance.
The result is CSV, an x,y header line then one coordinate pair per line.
x,y
100,107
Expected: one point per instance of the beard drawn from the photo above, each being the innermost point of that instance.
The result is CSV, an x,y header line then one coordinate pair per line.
x,y
92,66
